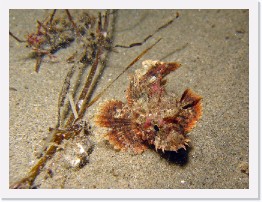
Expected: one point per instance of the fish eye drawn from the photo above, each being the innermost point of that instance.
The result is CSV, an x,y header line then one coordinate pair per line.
x,y
156,128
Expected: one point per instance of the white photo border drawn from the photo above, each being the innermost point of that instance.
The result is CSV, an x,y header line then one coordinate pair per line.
x,y
254,175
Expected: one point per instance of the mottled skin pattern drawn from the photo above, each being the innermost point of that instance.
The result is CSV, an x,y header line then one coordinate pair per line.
x,y
150,116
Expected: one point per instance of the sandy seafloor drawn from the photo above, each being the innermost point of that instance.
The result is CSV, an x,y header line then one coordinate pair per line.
x,y
211,45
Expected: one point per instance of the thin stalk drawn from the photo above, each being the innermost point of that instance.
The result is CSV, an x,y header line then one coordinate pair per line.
x,y
130,65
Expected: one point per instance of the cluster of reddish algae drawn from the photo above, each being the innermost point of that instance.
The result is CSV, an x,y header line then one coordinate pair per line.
x,y
150,116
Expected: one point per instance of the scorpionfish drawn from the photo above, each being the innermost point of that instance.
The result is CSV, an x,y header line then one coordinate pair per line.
x,y
150,117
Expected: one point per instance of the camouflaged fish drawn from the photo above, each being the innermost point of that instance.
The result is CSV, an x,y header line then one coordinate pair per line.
x,y
150,116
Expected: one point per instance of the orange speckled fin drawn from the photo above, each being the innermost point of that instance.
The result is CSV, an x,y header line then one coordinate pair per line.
x,y
161,69
114,115
125,140
191,110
